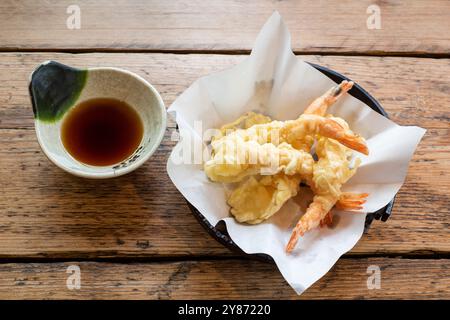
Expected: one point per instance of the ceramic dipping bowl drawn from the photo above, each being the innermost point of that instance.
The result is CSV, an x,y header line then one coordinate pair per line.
x,y
55,88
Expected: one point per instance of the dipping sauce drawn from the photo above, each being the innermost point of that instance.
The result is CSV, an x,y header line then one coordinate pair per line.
x,y
102,131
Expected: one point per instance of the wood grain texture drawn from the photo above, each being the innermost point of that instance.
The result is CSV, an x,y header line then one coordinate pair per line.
x,y
414,91
48,213
228,279
407,27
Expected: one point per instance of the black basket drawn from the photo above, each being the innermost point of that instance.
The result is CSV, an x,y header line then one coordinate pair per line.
x,y
219,231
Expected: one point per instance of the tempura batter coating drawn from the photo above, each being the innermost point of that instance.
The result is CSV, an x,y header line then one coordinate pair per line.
x,y
245,152
235,159
258,198
269,159
331,171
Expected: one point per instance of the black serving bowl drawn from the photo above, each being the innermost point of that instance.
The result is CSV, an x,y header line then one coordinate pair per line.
x,y
219,231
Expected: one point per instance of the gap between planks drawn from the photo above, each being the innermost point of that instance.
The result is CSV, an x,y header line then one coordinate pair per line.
x,y
399,54
429,255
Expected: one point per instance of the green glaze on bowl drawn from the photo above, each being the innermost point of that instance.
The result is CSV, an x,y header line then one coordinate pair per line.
x,y
56,88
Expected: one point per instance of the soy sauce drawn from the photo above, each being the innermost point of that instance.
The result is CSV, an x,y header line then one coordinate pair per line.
x,y
102,131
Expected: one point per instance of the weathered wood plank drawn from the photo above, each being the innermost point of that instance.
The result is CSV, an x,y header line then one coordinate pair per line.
x,y
48,213
400,279
413,90
316,26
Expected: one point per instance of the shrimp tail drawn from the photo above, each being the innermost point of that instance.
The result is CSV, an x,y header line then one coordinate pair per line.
x,y
320,105
348,201
351,201
332,129
310,220
319,214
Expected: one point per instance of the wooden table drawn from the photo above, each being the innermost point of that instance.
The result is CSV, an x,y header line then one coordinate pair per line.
x,y
134,237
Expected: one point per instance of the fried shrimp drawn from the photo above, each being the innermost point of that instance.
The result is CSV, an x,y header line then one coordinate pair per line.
x,y
259,197
317,213
321,104
294,132
269,159
347,201
331,171
245,152
300,131
236,159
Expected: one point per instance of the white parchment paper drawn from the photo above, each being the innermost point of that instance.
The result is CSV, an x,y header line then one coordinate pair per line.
x,y
273,81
